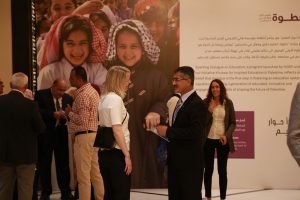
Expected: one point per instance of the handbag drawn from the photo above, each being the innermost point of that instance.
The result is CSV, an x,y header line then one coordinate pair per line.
x,y
105,137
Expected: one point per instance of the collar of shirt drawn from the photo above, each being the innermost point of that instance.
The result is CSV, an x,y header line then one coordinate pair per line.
x,y
59,100
186,95
81,89
18,91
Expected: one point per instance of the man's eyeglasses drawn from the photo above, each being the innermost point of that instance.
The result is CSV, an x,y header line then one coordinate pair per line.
x,y
178,79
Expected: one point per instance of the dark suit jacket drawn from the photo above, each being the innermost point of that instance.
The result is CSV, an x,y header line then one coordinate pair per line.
x,y
187,134
229,121
45,101
20,123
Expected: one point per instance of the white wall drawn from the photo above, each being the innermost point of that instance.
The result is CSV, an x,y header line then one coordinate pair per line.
x,y
233,35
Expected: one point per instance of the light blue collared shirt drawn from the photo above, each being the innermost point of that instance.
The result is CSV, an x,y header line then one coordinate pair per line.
x,y
186,95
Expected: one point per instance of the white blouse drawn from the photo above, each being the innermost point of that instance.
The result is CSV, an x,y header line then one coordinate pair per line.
x,y
218,126
112,112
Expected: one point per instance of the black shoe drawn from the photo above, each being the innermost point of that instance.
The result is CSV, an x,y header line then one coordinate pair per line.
x,y
68,196
45,197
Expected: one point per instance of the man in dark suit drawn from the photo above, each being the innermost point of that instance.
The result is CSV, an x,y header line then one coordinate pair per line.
x,y
187,136
51,102
20,123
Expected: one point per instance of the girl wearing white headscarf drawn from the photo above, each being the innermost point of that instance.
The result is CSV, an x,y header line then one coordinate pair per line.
x,y
131,45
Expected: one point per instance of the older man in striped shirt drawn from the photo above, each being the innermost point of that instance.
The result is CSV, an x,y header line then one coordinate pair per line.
x,y
83,122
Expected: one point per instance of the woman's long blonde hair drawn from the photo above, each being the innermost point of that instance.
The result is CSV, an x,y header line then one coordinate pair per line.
x,y
114,81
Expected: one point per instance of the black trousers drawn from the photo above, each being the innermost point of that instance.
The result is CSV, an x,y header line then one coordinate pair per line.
x,y
185,184
222,158
54,141
116,182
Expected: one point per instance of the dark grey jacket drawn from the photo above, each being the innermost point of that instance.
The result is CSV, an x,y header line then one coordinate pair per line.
x,y
20,123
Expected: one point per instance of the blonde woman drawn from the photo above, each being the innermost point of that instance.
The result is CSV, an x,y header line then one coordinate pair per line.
x,y
115,164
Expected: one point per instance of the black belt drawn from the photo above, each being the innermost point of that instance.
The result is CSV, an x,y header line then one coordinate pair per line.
x,y
84,132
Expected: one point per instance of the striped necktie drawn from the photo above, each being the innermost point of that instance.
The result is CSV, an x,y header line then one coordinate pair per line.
x,y
57,104
177,108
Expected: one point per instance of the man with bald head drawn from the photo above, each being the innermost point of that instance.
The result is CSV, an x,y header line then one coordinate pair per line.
x,y
52,102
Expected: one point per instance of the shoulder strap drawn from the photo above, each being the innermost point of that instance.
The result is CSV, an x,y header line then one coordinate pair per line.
x,y
124,118
122,121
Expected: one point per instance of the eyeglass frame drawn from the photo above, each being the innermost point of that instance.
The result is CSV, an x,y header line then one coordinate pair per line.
x,y
178,79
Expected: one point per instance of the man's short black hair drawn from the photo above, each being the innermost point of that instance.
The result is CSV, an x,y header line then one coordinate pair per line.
x,y
80,73
187,71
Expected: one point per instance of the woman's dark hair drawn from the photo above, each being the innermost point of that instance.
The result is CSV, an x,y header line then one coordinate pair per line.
x,y
223,93
72,24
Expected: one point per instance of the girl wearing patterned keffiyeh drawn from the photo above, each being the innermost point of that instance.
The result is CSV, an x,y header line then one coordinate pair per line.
x,y
73,41
131,45
102,22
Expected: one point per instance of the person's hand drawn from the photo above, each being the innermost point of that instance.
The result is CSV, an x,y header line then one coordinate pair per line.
x,y
152,119
212,105
28,94
59,114
161,130
223,140
128,165
68,109
88,7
